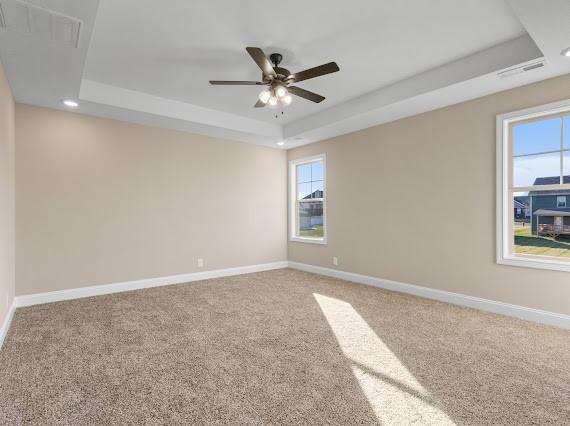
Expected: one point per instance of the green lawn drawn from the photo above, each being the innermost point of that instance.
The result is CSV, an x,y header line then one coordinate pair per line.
x,y
316,232
527,243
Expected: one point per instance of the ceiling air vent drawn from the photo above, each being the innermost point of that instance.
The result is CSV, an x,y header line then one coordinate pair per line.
x,y
520,69
27,18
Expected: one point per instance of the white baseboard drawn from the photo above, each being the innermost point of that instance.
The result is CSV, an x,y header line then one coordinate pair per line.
x,y
530,314
77,293
7,322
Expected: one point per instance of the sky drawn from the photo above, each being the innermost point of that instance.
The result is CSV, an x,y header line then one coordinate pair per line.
x,y
309,178
535,137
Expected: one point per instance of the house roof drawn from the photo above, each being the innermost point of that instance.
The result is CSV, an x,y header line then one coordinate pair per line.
x,y
315,194
546,212
520,205
551,180
524,200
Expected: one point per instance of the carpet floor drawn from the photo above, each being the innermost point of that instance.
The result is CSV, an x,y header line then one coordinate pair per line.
x,y
279,347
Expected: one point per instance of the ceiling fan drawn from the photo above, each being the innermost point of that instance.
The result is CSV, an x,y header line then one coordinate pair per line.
x,y
278,80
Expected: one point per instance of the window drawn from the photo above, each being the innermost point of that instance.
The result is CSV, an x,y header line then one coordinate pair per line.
x,y
533,168
307,207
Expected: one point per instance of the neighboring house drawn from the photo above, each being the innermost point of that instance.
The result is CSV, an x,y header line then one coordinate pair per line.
x,y
551,207
311,214
522,209
318,194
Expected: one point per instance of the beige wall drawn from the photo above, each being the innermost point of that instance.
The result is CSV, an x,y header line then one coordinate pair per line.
x,y
6,196
414,201
102,201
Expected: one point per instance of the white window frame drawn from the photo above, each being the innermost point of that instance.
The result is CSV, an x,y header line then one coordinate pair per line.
x,y
560,197
293,205
505,220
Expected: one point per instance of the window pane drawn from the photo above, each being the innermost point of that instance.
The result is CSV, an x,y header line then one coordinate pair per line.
x,y
303,190
317,171
537,136
543,169
311,219
304,173
540,231
317,189
521,204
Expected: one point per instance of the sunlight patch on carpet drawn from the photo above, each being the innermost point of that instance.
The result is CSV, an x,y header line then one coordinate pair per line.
x,y
392,391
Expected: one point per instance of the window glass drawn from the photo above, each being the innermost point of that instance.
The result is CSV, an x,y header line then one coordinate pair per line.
x,y
540,156
317,171
311,219
308,220
317,189
304,190
541,169
537,136
303,173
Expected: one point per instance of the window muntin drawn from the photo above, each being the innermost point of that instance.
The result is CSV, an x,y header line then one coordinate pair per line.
x,y
566,136
307,206
534,166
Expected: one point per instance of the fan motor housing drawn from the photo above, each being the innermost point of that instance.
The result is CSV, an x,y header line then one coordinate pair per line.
x,y
276,58
282,71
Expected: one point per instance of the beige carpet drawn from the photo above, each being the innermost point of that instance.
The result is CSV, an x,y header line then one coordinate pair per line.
x,y
279,347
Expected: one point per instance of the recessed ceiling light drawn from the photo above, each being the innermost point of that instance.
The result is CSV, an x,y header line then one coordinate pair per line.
x,y
281,143
70,104
566,52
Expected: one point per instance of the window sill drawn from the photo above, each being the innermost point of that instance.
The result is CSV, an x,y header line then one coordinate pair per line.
x,y
532,262
321,241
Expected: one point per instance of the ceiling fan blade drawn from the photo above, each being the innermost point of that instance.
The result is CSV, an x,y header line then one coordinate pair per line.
x,y
259,104
261,60
305,94
235,83
314,72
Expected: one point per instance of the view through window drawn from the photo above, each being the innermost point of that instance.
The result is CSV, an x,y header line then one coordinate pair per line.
x,y
309,202
540,185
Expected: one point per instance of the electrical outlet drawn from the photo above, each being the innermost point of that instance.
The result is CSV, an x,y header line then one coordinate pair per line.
x,y
335,261
200,262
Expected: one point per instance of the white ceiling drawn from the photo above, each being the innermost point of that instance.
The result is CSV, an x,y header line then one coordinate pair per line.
x,y
150,62
173,51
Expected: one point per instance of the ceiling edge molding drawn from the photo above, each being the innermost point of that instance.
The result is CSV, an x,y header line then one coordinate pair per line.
x,y
119,97
499,57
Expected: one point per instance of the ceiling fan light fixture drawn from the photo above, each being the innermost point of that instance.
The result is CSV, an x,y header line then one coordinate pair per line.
x,y
264,96
278,80
281,92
